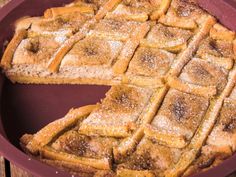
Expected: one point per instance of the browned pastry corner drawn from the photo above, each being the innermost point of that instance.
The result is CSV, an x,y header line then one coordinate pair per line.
x,y
171,109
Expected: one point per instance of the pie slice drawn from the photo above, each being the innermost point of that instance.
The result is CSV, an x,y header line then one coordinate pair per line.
x,y
171,68
169,38
148,67
177,119
118,113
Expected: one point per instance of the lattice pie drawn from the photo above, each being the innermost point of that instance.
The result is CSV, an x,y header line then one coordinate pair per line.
x,y
171,109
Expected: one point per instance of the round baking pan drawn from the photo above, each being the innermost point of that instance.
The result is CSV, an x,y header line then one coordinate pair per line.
x,y
27,108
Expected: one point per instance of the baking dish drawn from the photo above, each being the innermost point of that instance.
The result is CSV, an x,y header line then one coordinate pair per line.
x,y
27,108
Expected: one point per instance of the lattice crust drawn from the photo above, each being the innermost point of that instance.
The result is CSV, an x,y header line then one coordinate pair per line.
x,y
63,25
171,111
118,113
177,119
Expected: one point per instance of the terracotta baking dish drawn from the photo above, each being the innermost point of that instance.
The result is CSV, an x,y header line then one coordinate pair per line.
x,y
27,108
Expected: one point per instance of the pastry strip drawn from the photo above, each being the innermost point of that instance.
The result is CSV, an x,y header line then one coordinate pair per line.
x,y
57,11
106,8
129,13
56,59
177,141
103,164
128,145
134,173
11,48
143,81
165,4
186,55
126,54
206,91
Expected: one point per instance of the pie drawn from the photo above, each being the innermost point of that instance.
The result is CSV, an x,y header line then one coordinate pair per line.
x,y
171,108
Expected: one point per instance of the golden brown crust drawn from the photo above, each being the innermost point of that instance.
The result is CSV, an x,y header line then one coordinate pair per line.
x,y
118,113
219,32
128,145
57,11
106,8
128,13
177,141
203,131
186,55
123,60
25,79
50,153
9,52
44,136
161,10
55,61
206,91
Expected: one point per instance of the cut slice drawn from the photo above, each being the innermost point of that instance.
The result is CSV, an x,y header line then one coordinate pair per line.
x,y
168,38
177,119
118,112
60,141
